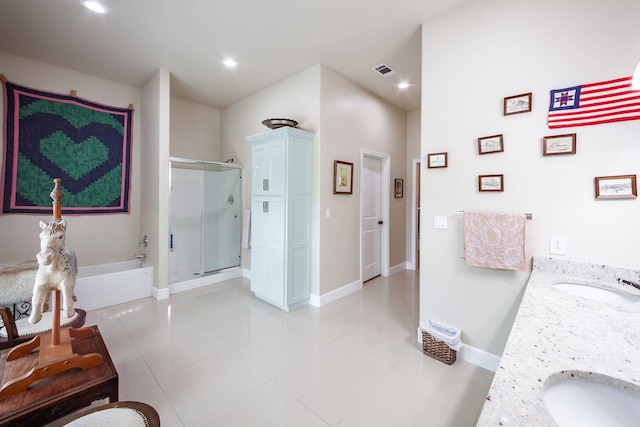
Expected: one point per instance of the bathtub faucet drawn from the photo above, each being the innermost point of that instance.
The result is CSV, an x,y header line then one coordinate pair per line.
x,y
628,282
142,258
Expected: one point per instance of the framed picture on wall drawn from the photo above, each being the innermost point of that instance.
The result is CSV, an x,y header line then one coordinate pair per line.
x,y
399,188
490,144
616,187
559,144
437,160
490,182
517,104
342,177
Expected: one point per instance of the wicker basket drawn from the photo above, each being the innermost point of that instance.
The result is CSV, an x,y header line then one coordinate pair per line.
x,y
439,350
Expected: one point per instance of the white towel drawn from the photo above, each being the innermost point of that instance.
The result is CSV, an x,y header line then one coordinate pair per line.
x,y
246,228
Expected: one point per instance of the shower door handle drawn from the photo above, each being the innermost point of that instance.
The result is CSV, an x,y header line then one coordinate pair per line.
x,y
265,207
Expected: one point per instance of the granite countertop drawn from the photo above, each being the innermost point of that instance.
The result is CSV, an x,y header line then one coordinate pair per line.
x,y
556,333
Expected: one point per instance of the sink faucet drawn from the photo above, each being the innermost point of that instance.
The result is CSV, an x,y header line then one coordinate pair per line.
x,y
628,282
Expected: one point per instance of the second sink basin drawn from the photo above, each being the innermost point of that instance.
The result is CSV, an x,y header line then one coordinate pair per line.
x,y
581,402
598,294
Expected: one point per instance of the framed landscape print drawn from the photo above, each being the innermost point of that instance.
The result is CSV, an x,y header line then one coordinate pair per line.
x,y
490,144
437,160
616,187
490,182
559,144
517,104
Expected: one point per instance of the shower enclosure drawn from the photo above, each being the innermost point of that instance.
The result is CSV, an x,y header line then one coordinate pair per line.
x,y
205,218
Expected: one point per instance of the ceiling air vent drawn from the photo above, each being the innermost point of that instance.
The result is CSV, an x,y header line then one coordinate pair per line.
x,y
384,70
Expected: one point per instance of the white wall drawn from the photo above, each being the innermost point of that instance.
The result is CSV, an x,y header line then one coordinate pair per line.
x,y
413,153
195,131
345,118
96,239
352,119
155,175
472,58
296,98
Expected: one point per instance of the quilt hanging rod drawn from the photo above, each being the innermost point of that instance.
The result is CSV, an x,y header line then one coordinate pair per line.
x,y
527,215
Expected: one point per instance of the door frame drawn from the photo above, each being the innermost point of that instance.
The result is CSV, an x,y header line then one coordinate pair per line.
x,y
414,215
385,193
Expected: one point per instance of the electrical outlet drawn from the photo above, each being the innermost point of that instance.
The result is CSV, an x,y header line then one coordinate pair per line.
x,y
558,245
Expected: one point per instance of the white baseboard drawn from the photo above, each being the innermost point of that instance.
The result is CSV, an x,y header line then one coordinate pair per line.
x,y
246,273
397,268
479,357
474,355
324,299
410,265
160,294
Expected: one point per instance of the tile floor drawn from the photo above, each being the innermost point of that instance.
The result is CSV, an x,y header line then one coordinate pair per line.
x,y
217,356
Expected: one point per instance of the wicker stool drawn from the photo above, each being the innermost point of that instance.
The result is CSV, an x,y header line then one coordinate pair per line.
x,y
121,414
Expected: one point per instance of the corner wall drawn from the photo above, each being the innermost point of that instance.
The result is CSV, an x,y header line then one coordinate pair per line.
x,y
295,98
473,57
195,131
353,119
96,239
345,118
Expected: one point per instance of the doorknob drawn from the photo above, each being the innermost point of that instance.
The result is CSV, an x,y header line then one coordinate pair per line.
x,y
380,222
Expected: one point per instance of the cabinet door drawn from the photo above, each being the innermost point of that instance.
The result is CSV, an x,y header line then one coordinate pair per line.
x,y
275,286
276,165
267,248
259,169
259,255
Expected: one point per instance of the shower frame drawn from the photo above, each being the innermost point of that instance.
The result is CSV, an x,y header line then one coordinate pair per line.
x,y
205,164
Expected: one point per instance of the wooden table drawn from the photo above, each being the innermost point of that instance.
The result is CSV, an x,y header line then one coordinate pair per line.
x,y
51,398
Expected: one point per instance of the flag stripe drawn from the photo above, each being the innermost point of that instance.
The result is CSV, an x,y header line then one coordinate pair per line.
x,y
595,116
593,122
570,113
594,103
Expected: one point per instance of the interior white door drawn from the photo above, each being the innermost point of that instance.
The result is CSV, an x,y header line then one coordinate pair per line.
x,y
371,216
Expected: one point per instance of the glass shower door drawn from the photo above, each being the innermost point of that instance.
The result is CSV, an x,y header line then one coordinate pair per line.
x,y
222,218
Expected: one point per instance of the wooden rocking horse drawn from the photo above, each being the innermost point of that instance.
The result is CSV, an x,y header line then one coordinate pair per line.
x,y
56,273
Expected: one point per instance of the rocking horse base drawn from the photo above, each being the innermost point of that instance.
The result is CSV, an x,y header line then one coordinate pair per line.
x,y
53,359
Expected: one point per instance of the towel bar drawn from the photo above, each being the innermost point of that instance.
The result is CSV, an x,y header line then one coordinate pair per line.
x,y
527,215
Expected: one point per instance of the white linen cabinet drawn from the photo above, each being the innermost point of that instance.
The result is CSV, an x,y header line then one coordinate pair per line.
x,y
281,168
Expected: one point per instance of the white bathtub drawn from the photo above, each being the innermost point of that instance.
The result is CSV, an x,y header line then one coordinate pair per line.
x,y
103,285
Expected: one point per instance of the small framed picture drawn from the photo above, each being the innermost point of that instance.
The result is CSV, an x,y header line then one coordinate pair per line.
x,y
616,187
342,177
490,182
559,144
517,104
437,160
490,144
399,193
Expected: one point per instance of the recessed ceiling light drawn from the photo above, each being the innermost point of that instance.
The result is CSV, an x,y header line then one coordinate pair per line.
x,y
229,63
403,85
94,6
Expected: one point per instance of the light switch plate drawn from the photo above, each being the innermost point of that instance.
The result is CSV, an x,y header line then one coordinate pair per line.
x,y
440,222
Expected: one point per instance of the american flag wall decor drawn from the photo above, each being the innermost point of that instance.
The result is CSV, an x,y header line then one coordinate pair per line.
x,y
594,103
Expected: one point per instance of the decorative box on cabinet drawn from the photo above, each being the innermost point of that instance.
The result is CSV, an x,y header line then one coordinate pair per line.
x,y
281,169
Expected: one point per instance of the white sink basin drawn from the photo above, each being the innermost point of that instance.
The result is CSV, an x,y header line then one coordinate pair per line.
x,y
598,294
580,402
